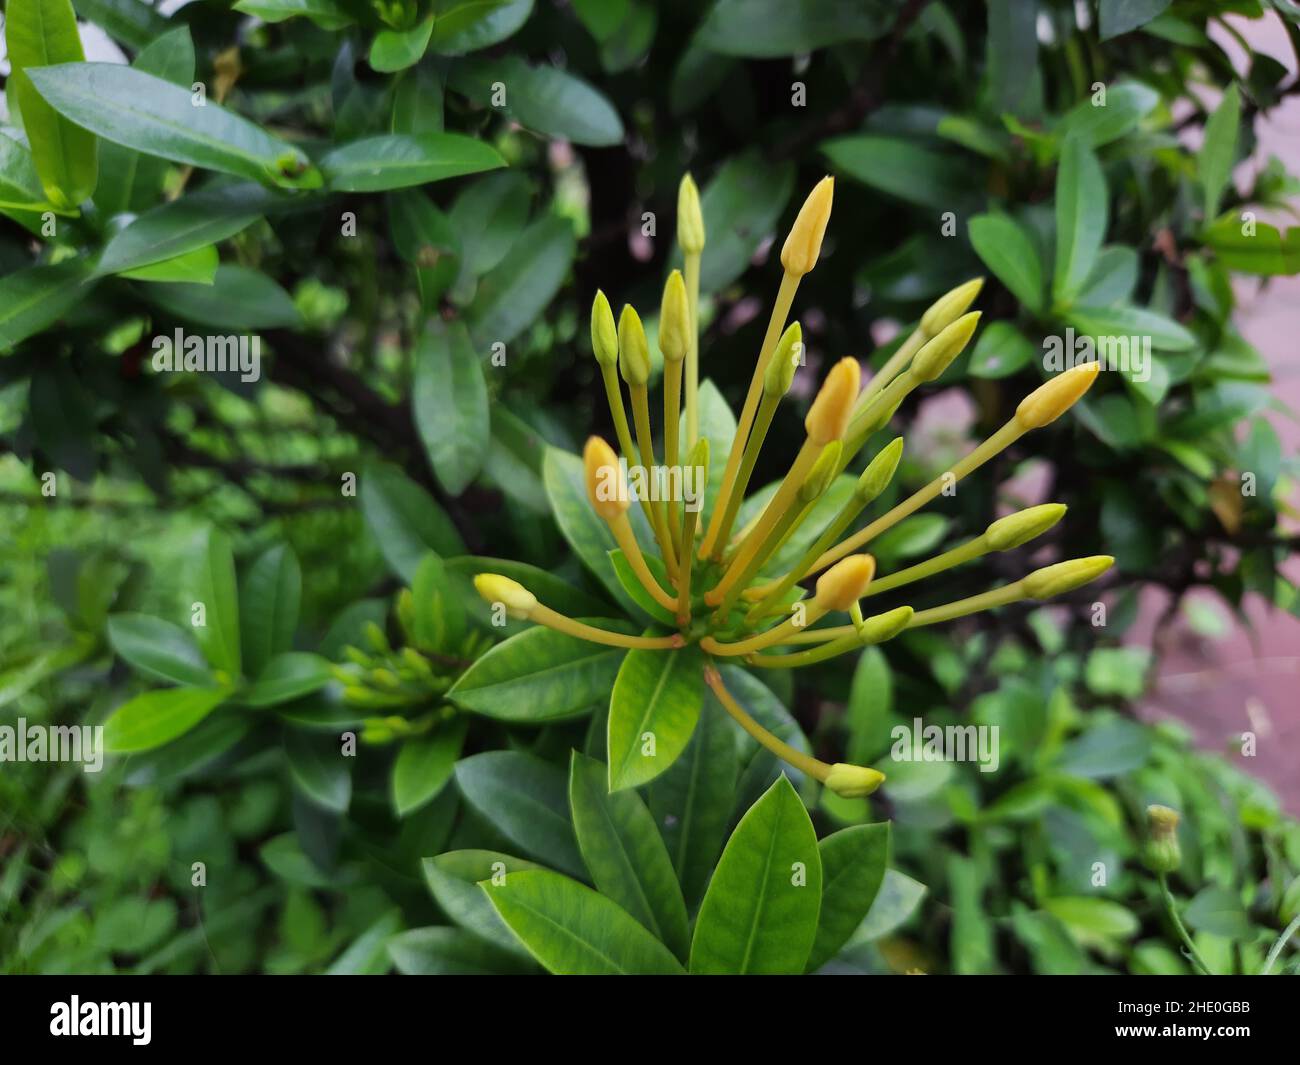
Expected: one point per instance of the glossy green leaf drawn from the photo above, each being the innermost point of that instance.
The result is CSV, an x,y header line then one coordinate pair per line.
x,y
540,675
853,866
157,717
552,590
1000,351
1100,121
512,295
327,14
526,800
453,879
158,649
367,955
128,21
238,298
1108,749
39,33
474,24
1113,277
489,216
424,765
636,590
1165,333
1093,919
514,461
870,710
760,912
1082,208
692,801
741,208
897,899
215,588
625,854
35,298
653,710
20,185
1258,249
394,50
442,951
1218,911
439,615
200,746
542,98
405,520
768,28
196,267
400,160
449,397
319,768
1123,16
269,596
1008,251
574,931
168,231
901,168
287,676
153,116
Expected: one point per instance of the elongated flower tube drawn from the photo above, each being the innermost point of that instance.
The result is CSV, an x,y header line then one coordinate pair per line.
x,y
675,343
690,238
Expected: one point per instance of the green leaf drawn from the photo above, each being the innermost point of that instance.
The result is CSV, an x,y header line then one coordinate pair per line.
x,y
1000,351
171,230
853,866
37,297
542,98
1008,251
1113,278
400,160
514,293
158,649
476,24
526,800
1255,249
424,765
1122,16
1081,216
1122,321
693,800
453,880
901,168
870,710
367,955
489,215
394,50
153,116
203,744
287,676
439,616
898,896
653,710
39,33
215,588
1099,122
768,28
442,951
1219,152
157,717
404,520
196,267
449,397
636,590
718,426
238,299
574,931
625,855
20,186
1092,919
760,912
327,14
514,461
269,596
741,208
552,590
1014,79
540,675
1219,912
1107,750
132,23
319,768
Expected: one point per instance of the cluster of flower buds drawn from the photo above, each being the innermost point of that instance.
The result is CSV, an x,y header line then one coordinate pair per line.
x,y
721,584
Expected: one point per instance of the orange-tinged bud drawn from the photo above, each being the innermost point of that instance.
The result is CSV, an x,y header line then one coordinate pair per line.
x,y
830,412
845,582
1053,398
804,244
606,488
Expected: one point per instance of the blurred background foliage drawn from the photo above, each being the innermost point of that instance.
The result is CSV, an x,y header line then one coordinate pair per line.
x,y
946,125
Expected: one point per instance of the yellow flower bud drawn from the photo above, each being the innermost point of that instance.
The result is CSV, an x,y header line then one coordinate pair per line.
x,y
845,582
606,488
937,353
633,349
879,472
1066,576
1023,526
853,781
675,319
785,360
881,627
949,307
830,412
494,588
1053,398
822,473
690,219
604,336
804,244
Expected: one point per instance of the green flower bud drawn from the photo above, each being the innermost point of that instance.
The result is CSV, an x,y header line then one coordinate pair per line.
x,y
1022,526
785,360
690,219
1161,853
675,319
949,307
604,335
406,611
938,353
376,638
879,472
822,472
881,627
853,781
1066,576
633,349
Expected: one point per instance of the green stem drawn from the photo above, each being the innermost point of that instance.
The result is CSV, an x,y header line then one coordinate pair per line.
x,y
971,549
1276,950
762,422
1009,593
692,277
1189,948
